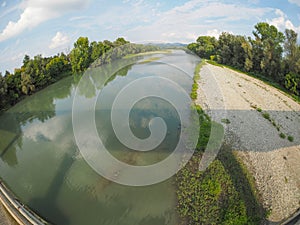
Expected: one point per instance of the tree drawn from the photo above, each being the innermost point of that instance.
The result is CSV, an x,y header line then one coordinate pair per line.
x,y
120,41
26,60
268,50
225,50
3,92
292,82
207,46
193,47
97,49
80,55
292,52
27,83
57,66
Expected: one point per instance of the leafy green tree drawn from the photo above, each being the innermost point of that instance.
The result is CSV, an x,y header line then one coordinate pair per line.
x,y
120,41
292,82
27,85
57,66
207,46
80,55
26,60
193,47
292,52
107,45
3,92
97,49
268,50
225,49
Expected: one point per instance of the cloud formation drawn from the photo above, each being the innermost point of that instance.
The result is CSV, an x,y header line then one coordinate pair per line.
x,y
296,2
37,11
197,17
59,40
282,22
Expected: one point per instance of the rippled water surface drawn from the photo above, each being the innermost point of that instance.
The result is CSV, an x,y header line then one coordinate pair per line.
x,y
41,164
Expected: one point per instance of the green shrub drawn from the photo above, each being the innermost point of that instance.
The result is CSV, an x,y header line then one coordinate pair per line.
x,y
266,116
291,138
282,135
226,121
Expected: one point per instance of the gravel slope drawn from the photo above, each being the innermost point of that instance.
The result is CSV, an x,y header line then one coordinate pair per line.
x,y
273,161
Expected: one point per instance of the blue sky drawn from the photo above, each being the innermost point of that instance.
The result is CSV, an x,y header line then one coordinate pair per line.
x,y
50,26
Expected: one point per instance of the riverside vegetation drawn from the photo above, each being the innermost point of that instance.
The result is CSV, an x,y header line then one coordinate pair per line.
x,y
270,55
225,192
38,72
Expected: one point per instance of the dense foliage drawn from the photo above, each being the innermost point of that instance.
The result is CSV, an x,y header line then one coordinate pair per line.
x,y
272,54
38,72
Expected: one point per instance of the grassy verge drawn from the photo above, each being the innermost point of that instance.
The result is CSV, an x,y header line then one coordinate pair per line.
x,y
147,53
196,78
222,194
260,77
152,59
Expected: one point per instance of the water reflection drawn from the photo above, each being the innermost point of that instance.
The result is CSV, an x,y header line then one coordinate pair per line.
x,y
39,107
41,163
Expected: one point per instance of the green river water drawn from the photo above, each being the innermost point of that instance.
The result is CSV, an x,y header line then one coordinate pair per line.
x,y
42,165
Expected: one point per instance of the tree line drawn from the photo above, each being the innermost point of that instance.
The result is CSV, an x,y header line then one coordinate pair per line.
x,y
39,72
270,53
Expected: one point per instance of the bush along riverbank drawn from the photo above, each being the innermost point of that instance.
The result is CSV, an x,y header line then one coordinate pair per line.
x,y
222,194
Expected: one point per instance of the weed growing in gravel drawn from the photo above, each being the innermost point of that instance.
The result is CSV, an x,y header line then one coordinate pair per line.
x,y
226,121
266,116
259,109
290,138
282,135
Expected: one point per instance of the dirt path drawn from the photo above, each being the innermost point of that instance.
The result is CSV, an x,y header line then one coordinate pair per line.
x,y
273,161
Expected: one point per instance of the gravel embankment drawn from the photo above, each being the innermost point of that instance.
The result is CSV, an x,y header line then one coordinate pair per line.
x,y
273,161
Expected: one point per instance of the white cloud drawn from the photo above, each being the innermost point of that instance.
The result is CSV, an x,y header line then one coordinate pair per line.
x,y
297,2
37,11
282,22
214,33
197,17
3,4
59,40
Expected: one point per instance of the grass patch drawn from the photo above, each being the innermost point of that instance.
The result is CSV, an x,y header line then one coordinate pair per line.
x,y
222,194
282,135
214,63
129,56
226,121
266,116
259,109
193,93
149,60
290,138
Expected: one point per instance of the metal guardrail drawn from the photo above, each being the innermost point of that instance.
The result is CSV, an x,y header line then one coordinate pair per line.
x,y
293,220
22,214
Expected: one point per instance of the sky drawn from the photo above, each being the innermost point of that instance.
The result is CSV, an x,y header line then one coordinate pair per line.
x,y
49,27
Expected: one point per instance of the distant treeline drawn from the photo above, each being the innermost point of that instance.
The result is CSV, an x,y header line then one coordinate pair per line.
x,y
272,54
39,72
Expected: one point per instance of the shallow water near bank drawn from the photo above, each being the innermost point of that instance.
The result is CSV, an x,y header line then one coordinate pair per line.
x,y
42,165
